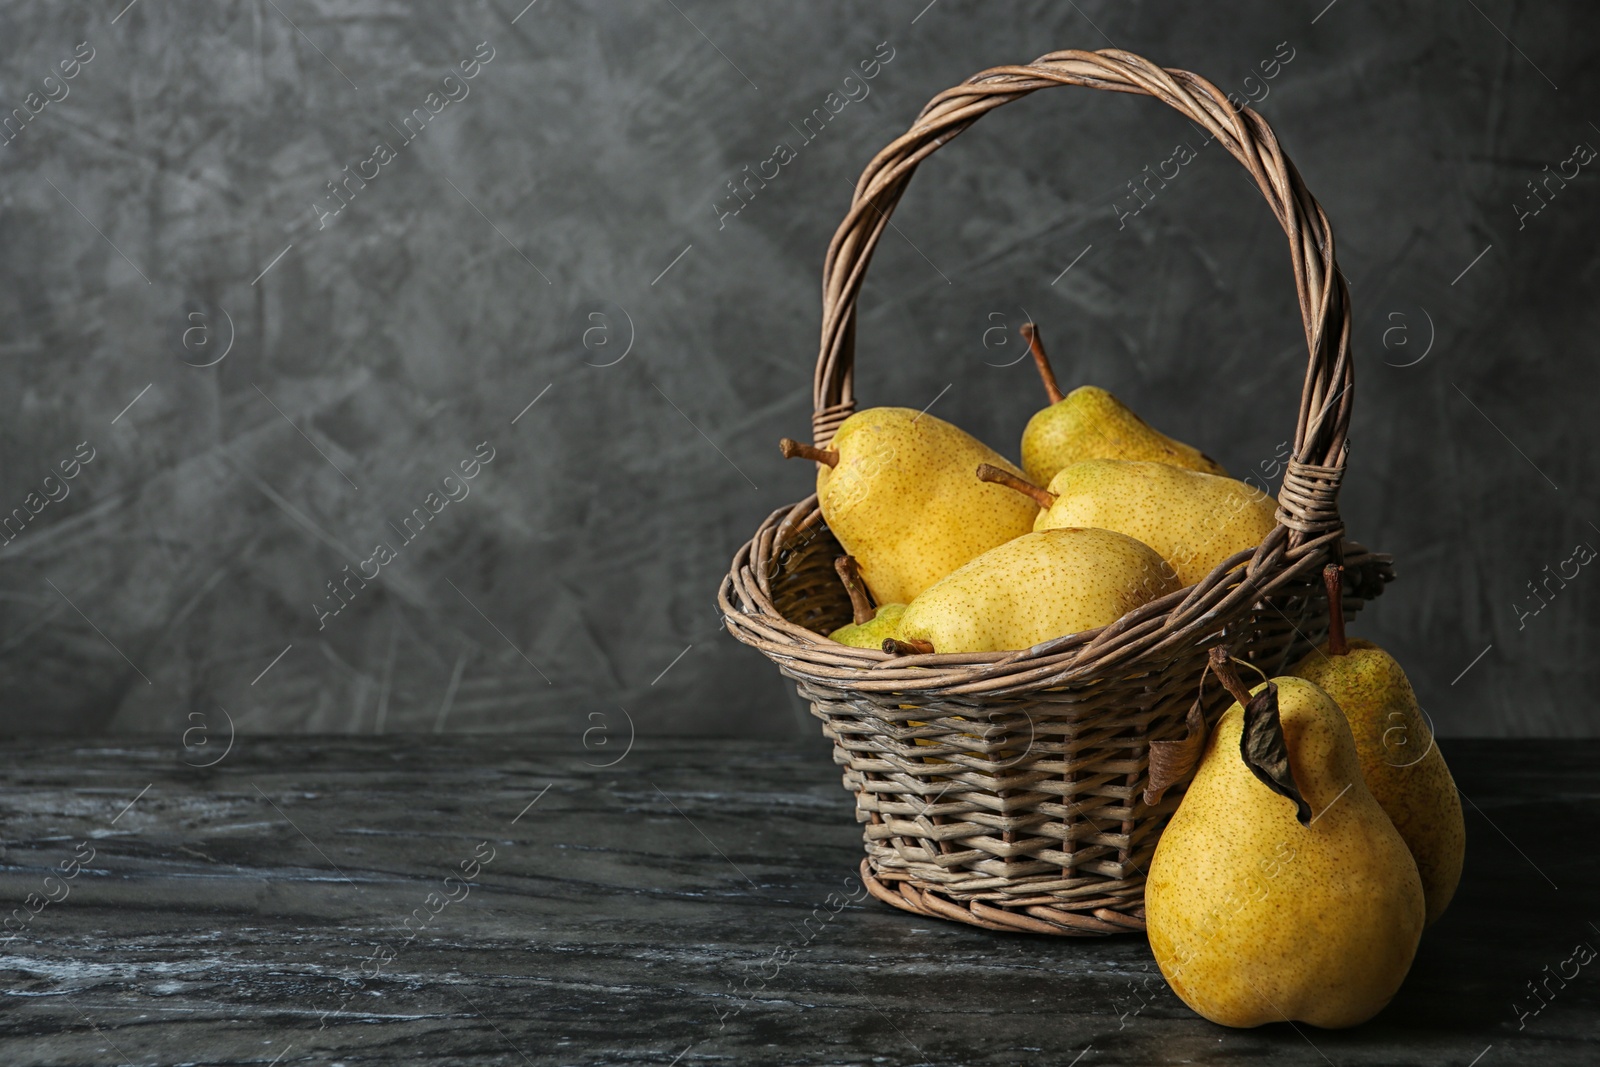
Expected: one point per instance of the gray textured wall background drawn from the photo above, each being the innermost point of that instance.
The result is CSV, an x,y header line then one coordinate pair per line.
x,y
565,211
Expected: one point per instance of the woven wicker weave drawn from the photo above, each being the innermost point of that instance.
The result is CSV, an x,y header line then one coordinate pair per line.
x,y
1005,789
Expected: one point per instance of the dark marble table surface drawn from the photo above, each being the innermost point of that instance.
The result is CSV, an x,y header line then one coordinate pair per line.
x,y
295,904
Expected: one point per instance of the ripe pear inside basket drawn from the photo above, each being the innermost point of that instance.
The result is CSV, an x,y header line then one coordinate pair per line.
x,y
897,489
952,550
1035,587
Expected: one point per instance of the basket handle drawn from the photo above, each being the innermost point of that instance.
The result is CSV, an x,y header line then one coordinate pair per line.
x,y
1308,497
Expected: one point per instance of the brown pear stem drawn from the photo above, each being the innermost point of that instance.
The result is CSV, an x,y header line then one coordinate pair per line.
x,y
1030,334
1222,666
850,575
913,647
792,449
1333,578
988,472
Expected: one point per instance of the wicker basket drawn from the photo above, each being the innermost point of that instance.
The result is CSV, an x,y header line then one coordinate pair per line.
x,y
1006,789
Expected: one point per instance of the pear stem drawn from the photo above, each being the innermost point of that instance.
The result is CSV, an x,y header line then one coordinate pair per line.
x,y
1333,578
1030,334
850,575
913,647
1222,666
792,449
988,472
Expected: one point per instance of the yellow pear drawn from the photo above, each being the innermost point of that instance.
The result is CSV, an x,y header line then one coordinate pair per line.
x,y
896,489
1194,520
1400,761
1039,586
1090,423
871,633
871,626
1256,915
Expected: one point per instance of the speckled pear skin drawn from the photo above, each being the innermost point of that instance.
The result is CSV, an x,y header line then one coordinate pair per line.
x,y
905,500
1416,790
1035,587
1255,919
871,634
1090,423
1193,520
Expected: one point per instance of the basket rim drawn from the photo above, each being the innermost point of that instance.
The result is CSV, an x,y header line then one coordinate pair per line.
x,y
1143,639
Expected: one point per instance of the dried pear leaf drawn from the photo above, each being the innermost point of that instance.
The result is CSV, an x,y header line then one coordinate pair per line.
x,y
1174,761
1262,748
